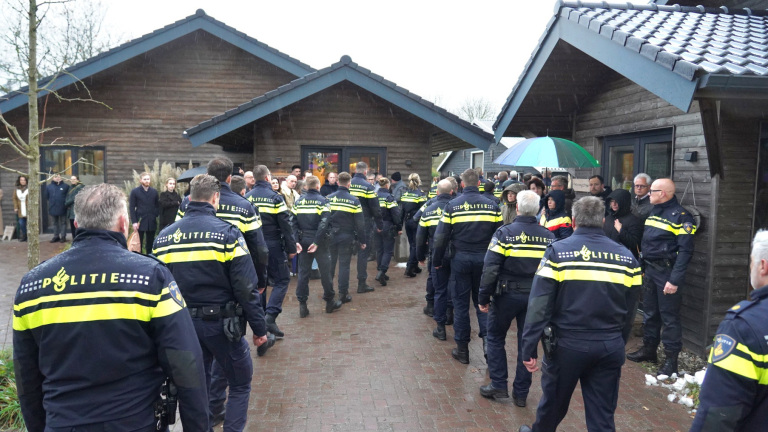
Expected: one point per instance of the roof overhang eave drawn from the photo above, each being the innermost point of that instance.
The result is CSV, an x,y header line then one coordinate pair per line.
x,y
668,84
725,86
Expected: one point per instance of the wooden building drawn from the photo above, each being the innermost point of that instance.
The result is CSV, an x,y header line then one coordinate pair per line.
x,y
338,116
161,84
673,91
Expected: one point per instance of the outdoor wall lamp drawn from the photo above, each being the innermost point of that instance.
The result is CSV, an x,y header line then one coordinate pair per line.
x,y
408,162
278,160
692,156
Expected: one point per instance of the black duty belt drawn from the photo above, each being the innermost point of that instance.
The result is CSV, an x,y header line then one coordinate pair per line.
x,y
506,285
660,264
207,313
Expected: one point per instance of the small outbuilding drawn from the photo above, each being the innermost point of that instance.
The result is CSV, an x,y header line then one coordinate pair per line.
x,y
673,91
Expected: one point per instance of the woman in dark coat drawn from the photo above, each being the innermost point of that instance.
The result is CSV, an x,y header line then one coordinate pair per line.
x,y
620,224
555,218
169,203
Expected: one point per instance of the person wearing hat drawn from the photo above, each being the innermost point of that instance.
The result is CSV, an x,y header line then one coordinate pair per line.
x,y
398,187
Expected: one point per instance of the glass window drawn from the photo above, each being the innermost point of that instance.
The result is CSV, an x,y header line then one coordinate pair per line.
x,y
92,168
477,160
321,163
625,156
761,196
57,161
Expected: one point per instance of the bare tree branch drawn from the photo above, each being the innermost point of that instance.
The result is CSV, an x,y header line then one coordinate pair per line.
x,y
13,170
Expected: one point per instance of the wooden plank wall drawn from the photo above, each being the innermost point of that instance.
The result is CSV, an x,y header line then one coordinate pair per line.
x,y
345,115
153,99
735,205
624,107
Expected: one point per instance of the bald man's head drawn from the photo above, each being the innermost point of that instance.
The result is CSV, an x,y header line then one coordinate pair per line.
x,y
662,190
444,187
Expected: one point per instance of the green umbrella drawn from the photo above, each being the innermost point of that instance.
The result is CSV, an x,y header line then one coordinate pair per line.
x,y
549,152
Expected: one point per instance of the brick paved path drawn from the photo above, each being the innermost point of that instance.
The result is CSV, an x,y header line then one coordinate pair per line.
x,y
374,365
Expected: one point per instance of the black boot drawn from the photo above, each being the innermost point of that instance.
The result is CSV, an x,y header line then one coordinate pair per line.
x,y
273,328
381,276
647,352
363,287
429,309
345,297
490,392
670,364
439,332
461,352
332,305
410,272
416,269
449,316
55,240
303,310
262,349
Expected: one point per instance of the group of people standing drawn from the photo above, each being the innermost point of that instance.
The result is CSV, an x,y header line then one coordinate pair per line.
x,y
227,246
61,205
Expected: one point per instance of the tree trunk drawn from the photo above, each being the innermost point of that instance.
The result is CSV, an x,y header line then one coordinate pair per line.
x,y
33,156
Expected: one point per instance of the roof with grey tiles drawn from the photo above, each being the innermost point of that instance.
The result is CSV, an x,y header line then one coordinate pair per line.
x,y
682,38
706,47
198,21
343,70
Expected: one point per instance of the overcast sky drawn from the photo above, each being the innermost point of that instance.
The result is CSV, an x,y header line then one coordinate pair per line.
x,y
444,51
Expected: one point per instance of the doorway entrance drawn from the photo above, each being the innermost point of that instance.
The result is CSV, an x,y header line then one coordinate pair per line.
x,y
323,160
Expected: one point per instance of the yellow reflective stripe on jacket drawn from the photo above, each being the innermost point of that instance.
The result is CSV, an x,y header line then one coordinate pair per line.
x,y
386,204
361,192
243,223
271,208
413,198
663,224
468,217
348,208
309,210
96,312
519,250
169,254
594,274
742,366
90,295
429,221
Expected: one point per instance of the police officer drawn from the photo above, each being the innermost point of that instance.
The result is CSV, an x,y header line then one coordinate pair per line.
x,y
385,239
584,291
347,224
667,248
467,225
311,224
364,191
99,326
510,263
734,395
439,297
276,223
211,262
410,202
237,211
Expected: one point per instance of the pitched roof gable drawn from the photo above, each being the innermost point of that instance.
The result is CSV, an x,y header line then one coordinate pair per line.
x,y
673,51
159,37
310,84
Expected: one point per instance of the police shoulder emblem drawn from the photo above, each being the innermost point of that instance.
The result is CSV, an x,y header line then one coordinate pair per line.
x,y
173,288
494,242
241,243
724,345
688,227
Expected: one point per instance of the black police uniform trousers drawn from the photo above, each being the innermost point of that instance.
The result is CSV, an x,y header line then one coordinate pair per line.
x,y
410,230
441,293
277,271
217,390
235,360
597,365
342,252
662,311
385,247
362,255
323,257
430,296
147,238
466,269
504,308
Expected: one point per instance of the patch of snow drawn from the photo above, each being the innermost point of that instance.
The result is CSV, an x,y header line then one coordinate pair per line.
x,y
661,377
671,397
687,401
401,265
651,380
700,376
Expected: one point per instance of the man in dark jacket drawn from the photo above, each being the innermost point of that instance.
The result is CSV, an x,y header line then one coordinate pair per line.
x,y
641,204
331,184
74,189
56,194
144,206
621,225
488,190
597,188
